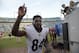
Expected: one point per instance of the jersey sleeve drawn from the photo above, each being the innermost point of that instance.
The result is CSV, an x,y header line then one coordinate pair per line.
x,y
26,28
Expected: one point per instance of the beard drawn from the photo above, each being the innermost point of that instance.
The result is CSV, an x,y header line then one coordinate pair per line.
x,y
39,26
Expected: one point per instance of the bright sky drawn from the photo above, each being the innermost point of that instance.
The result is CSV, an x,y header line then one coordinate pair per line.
x,y
45,8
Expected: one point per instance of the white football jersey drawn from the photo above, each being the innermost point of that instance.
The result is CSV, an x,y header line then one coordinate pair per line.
x,y
35,39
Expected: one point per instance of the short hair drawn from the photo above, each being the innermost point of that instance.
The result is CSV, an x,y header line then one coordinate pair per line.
x,y
36,17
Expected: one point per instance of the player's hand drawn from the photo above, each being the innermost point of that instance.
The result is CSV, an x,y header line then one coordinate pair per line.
x,y
22,11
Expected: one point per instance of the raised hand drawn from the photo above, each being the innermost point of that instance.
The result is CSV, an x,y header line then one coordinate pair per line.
x,y
22,10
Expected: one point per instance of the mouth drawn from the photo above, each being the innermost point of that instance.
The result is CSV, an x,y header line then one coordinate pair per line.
x,y
38,25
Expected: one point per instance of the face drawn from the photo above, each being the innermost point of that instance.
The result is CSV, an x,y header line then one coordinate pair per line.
x,y
37,22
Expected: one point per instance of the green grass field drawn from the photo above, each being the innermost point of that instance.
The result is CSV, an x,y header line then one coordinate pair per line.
x,y
7,43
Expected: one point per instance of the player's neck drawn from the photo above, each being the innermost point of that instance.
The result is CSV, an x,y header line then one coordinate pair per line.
x,y
38,29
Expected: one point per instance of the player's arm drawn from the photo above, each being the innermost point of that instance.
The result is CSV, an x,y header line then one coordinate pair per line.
x,y
47,46
15,29
45,42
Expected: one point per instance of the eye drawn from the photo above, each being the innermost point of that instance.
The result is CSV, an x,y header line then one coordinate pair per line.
x,y
37,20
